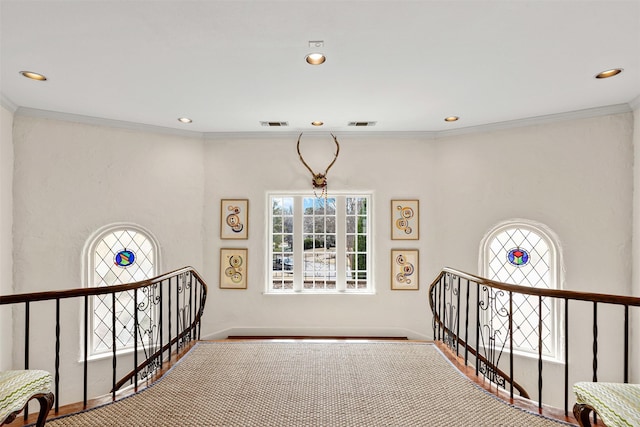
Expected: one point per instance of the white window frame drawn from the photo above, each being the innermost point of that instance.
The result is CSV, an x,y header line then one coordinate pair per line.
x,y
88,281
556,325
298,238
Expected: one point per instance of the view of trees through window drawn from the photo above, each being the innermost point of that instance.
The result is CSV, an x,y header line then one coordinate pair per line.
x,y
328,236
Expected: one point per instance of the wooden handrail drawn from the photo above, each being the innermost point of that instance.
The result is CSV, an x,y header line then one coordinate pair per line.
x,y
450,310
189,296
544,292
80,292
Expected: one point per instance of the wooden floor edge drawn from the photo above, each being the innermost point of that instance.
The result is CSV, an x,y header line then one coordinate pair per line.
x,y
74,408
517,401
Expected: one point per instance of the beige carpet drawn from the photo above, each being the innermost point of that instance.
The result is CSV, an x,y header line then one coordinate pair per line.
x,y
310,384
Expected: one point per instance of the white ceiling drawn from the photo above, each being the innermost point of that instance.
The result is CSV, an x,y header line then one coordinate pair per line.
x,y
229,65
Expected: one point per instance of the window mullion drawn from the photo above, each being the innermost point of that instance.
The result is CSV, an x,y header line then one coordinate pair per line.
x,y
341,244
298,243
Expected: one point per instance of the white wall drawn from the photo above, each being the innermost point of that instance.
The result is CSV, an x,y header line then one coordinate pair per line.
x,y
575,176
635,291
6,240
393,168
71,179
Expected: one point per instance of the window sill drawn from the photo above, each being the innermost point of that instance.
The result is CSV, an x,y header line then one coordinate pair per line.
x,y
109,355
313,292
534,356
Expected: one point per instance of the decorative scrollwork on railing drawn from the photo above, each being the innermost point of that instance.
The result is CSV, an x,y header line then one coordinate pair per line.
x,y
493,330
491,373
147,321
450,291
186,293
154,365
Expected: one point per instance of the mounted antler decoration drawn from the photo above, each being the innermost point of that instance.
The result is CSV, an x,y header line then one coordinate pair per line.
x,y
320,179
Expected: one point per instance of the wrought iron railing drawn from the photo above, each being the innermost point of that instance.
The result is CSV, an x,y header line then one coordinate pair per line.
x,y
172,305
466,309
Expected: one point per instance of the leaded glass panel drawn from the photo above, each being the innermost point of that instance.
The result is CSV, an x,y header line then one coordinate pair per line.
x,y
123,255
521,256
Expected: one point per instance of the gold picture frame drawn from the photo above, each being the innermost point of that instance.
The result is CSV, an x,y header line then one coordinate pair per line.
x,y
234,219
405,269
405,219
233,268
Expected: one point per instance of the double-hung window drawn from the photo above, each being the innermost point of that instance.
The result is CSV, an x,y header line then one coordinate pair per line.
x,y
319,244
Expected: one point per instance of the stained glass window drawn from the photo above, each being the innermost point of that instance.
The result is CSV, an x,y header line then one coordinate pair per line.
x,y
117,255
518,257
125,258
524,253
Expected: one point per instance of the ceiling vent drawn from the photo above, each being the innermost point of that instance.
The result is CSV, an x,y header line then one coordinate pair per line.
x,y
274,124
362,123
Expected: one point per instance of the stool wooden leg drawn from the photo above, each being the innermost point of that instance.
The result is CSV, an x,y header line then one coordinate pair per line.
x,y
46,402
582,411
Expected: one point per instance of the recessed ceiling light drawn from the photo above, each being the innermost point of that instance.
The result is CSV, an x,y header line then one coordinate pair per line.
x,y
609,73
451,119
315,58
184,120
317,123
33,76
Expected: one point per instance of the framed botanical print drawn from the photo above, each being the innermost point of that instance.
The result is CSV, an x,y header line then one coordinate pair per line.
x,y
405,224
404,269
233,268
234,214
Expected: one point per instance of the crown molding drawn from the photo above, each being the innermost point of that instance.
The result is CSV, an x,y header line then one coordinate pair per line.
x,y
120,124
7,103
546,119
360,133
294,134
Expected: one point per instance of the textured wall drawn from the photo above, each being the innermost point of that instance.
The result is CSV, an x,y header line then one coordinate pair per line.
x,y
6,241
71,179
575,176
635,325
393,168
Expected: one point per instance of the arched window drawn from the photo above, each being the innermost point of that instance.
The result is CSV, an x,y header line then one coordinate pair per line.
x,y
118,254
526,253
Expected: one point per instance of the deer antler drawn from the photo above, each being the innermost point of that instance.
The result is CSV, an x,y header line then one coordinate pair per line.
x,y
319,179
336,155
301,158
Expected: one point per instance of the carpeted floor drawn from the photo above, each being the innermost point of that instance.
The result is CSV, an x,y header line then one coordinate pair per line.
x,y
292,384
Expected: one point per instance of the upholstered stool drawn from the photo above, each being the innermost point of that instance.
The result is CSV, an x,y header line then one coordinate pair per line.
x,y
616,404
18,387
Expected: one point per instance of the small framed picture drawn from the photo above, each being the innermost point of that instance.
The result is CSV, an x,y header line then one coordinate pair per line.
x,y
234,215
405,224
404,269
233,268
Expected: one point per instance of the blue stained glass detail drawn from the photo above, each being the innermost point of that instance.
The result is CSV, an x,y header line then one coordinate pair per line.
x,y
125,258
518,257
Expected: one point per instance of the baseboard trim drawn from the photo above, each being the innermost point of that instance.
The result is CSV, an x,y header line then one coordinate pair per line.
x,y
313,337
